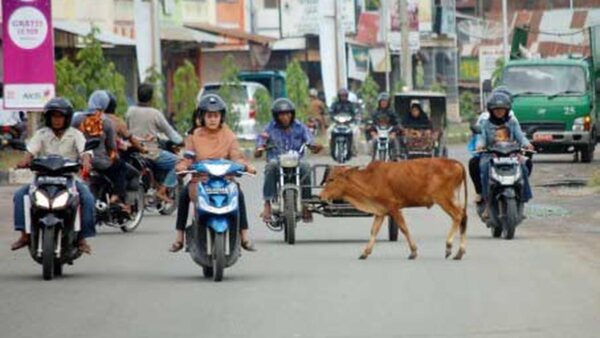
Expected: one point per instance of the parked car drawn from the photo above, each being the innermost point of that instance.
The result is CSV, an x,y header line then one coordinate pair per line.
x,y
273,80
244,104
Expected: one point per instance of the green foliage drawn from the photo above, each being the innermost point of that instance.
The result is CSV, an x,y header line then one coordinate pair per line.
x,y
467,105
230,83
497,74
153,76
372,5
263,106
90,71
369,92
398,86
184,95
297,86
437,87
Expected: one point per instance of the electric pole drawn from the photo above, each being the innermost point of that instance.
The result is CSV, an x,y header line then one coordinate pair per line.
x,y
405,56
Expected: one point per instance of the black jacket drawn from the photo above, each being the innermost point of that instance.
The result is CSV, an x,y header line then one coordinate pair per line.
x,y
339,107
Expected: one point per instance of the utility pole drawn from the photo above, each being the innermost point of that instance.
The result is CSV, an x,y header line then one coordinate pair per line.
x,y
155,29
383,30
505,30
405,56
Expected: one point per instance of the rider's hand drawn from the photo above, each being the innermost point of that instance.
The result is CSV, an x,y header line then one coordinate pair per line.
x,y
316,148
479,149
259,151
24,163
250,169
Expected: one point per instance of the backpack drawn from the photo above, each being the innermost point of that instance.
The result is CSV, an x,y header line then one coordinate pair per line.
x,y
92,125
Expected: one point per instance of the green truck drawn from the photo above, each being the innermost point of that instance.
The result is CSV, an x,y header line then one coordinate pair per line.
x,y
557,100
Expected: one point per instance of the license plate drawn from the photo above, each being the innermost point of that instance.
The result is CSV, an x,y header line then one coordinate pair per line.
x,y
542,138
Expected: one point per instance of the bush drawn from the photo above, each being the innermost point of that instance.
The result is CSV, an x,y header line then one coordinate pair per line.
x,y
230,82
263,106
184,95
297,86
154,77
90,71
467,105
369,92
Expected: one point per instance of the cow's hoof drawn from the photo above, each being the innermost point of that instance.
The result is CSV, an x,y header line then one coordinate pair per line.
x,y
448,253
459,255
363,257
413,255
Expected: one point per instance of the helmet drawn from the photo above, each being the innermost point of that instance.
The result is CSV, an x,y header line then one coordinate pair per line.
x,y
282,105
211,103
61,105
99,100
112,103
313,92
504,90
383,96
343,91
499,100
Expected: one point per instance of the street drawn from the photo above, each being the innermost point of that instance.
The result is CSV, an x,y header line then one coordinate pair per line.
x,y
537,285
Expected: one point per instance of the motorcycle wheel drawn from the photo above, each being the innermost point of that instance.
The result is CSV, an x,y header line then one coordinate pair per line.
x,y
218,257
392,229
48,241
131,225
289,214
510,218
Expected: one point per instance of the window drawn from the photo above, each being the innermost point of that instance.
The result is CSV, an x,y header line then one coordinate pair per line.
x,y
271,4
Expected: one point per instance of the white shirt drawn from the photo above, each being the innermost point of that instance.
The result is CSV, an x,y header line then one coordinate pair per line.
x,y
44,142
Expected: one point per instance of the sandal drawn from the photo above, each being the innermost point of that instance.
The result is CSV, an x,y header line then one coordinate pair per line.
x,y
176,246
248,246
84,247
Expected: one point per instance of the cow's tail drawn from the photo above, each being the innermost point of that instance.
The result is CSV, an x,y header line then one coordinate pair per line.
x,y
463,222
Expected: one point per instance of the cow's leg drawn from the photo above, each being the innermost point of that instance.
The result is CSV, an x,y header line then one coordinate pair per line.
x,y
377,221
456,213
399,219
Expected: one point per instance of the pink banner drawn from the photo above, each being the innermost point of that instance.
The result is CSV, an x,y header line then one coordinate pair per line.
x,y
28,52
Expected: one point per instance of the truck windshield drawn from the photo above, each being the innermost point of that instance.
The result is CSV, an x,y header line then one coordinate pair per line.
x,y
545,80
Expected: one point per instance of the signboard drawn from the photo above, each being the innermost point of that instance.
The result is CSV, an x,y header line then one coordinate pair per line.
x,y
302,17
395,37
28,54
358,62
488,56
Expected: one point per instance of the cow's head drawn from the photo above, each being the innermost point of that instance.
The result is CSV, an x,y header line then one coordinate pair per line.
x,y
335,182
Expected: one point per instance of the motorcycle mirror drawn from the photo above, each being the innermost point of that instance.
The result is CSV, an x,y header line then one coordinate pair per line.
x,y
18,145
92,144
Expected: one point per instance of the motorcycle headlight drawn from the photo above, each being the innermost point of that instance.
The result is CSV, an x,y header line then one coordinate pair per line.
x,y
288,160
41,200
60,201
343,118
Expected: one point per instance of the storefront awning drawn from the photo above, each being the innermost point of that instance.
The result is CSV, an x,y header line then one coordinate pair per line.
x,y
83,29
182,34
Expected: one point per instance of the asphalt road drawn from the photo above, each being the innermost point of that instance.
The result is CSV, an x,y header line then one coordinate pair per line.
x,y
131,286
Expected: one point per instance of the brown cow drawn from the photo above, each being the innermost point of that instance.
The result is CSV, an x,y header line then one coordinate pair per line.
x,y
383,188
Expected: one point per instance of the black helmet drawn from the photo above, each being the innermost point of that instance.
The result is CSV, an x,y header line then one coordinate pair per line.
x,y
282,105
343,91
383,97
499,100
504,90
61,105
112,103
211,103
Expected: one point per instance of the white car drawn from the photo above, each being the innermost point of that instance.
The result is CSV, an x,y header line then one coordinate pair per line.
x,y
244,104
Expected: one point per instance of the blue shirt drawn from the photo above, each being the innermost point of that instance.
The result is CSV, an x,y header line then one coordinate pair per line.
x,y
285,139
488,133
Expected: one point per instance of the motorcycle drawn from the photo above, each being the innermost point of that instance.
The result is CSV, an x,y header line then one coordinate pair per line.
x,y
213,239
341,138
149,180
506,182
53,220
382,151
112,214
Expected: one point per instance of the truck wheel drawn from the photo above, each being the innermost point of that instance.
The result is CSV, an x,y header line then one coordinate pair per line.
x,y
587,153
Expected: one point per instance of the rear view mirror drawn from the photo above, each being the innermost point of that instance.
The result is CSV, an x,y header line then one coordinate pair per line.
x,y
92,144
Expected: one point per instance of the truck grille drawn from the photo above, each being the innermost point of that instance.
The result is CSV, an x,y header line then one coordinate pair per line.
x,y
530,128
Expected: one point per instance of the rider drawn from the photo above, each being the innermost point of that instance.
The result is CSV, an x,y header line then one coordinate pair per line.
x,y
57,138
344,106
146,122
212,140
416,117
285,133
120,126
499,106
384,115
317,109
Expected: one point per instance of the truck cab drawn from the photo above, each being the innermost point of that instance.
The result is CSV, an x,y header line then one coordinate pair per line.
x,y
557,103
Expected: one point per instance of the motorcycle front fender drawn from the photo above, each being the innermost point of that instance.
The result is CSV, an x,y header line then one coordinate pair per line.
x,y
218,224
508,193
51,221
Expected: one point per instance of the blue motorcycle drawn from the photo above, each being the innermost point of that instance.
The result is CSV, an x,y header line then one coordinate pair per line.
x,y
213,238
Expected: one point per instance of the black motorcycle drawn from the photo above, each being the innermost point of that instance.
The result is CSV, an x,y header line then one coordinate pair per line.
x,y
53,220
505,186
341,137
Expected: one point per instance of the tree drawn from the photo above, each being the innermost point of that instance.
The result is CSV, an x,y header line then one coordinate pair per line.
x,y
153,76
184,95
369,92
90,71
467,105
497,74
263,106
230,85
296,82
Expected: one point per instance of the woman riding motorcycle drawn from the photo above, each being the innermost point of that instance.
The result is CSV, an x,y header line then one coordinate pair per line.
x,y
212,140
384,115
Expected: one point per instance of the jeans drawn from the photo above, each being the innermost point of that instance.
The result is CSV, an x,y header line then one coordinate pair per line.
x,y
87,209
117,173
475,174
166,163
272,178
183,209
484,167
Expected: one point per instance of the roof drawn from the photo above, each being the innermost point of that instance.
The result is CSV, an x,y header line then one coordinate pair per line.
x,y
84,28
180,33
420,93
232,33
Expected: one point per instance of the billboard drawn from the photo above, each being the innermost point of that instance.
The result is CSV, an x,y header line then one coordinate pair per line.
x,y
301,17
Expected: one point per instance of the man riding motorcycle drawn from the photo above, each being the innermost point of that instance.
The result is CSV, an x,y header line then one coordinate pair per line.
x,y
145,123
212,140
285,133
57,137
384,116
499,106
344,106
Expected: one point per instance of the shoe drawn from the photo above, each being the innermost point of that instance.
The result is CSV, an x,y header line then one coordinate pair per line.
x,y
84,247
176,246
22,242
